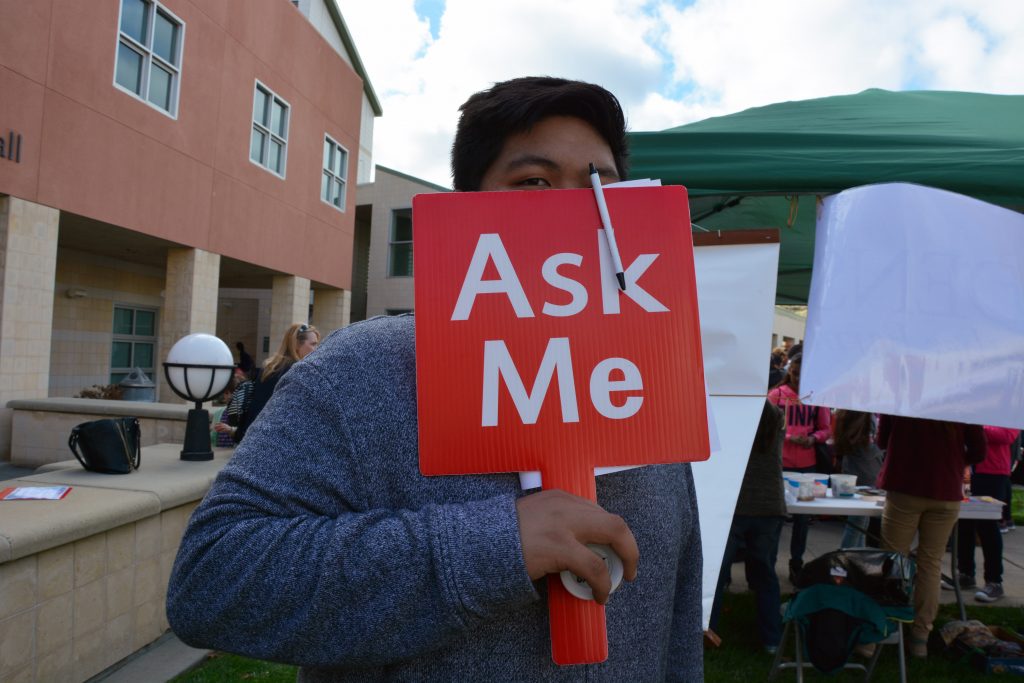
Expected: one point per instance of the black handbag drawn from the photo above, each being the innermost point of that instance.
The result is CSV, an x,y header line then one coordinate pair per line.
x,y
112,446
885,575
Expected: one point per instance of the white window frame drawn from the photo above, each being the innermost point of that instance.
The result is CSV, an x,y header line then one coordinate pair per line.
x,y
136,338
264,163
334,178
392,242
148,56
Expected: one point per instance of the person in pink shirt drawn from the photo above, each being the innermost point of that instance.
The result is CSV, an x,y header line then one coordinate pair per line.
x,y
991,477
805,427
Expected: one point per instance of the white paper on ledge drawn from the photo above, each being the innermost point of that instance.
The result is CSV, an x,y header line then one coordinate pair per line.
x,y
916,306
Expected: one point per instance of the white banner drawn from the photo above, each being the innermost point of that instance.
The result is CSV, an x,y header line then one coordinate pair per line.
x,y
736,296
917,307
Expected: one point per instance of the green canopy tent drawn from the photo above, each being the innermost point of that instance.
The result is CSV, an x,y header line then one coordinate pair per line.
x,y
768,166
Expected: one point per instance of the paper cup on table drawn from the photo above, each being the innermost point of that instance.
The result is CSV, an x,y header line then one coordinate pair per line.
x,y
820,482
806,488
844,485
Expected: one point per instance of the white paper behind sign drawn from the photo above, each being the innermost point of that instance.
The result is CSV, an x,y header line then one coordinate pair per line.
x,y
736,296
916,306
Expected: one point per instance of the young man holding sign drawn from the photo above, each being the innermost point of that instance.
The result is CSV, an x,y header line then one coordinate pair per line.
x,y
322,544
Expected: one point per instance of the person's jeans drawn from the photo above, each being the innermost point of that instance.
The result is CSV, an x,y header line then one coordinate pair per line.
x,y
760,536
798,537
853,534
987,530
932,521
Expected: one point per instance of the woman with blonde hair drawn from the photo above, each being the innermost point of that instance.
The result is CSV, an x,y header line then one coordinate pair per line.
x,y
299,341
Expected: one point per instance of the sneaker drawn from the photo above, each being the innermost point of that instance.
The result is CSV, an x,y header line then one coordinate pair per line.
x,y
990,593
966,581
917,648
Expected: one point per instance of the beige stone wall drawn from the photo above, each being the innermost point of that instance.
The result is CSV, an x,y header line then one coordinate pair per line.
x,y
190,301
388,192
28,255
69,612
289,304
83,324
41,437
331,309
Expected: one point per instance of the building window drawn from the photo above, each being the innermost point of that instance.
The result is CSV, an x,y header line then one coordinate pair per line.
x,y
134,344
400,245
332,185
148,63
269,144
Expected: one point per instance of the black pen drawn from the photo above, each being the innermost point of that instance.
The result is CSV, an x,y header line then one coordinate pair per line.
x,y
606,223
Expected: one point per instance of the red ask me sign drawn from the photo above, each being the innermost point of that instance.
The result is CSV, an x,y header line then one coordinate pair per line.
x,y
529,357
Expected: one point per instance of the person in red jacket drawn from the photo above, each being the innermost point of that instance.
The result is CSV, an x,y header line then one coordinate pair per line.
x,y
805,427
991,477
923,479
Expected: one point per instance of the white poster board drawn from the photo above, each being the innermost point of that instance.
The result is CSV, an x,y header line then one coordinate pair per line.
x,y
736,296
916,306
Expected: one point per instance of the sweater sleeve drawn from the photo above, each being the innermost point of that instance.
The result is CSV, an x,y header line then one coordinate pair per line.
x,y
686,651
285,560
822,425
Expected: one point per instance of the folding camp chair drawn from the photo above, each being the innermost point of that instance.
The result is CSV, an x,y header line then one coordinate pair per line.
x,y
881,625
847,597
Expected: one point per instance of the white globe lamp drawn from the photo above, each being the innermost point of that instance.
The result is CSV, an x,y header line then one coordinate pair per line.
x,y
198,368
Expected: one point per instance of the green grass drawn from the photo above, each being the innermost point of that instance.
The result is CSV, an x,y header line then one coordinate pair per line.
x,y
740,657
220,667
1017,505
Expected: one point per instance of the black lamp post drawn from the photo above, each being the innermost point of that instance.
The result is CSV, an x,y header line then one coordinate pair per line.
x,y
198,368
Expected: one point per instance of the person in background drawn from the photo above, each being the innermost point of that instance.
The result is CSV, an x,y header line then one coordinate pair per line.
x,y
991,477
923,478
853,438
299,341
220,434
777,367
805,427
245,361
757,524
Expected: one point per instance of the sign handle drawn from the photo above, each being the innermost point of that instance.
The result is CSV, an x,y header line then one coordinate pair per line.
x,y
578,634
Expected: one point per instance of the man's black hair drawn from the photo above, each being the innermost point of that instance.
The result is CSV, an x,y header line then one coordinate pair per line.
x,y
491,116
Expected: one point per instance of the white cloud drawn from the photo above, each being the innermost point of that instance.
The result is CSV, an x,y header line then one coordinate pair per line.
x,y
670,64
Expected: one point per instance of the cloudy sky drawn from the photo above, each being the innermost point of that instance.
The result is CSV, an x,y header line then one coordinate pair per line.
x,y
669,62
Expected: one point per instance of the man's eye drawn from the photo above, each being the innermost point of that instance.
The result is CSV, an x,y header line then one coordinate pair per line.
x,y
534,182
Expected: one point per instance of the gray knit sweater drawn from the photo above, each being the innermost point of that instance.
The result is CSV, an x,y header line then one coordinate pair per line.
x,y
322,545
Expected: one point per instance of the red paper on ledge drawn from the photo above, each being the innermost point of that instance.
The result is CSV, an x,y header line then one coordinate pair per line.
x,y
529,357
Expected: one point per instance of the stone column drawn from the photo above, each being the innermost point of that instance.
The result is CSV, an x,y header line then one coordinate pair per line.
x,y
28,267
331,309
289,303
190,303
